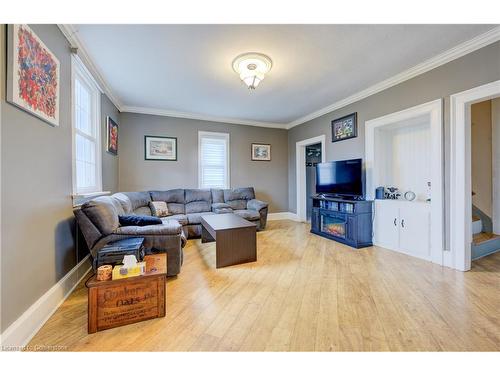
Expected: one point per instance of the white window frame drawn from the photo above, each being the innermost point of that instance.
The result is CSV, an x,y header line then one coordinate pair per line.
x,y
78,70
224,136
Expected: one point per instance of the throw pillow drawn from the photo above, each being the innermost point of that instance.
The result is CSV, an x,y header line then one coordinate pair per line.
x,y
141,221
159,208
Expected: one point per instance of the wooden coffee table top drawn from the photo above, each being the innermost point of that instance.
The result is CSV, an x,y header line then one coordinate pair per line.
x,y
226,221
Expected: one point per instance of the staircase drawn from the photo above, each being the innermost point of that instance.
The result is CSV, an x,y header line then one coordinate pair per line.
x,y
484,242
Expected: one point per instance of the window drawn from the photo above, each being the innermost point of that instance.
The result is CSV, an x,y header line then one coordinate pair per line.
x,y
86,131
213,163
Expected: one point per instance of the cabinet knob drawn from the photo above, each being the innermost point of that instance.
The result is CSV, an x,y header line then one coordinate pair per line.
x,y
395,224
403,223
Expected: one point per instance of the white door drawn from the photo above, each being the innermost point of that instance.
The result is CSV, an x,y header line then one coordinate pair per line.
x,y
386,224
414,234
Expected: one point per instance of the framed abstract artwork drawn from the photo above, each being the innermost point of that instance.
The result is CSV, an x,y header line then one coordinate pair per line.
x,y
261,152
33,78
112,136
345,127
160,148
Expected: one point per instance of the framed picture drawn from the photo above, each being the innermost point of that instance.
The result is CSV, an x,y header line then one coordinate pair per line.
x,y
160,148
261,152
112,136
33,78
345,127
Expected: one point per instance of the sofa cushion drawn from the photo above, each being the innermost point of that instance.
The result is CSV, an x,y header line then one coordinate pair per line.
x,y
103,213
217,195
248,214
171,227
138,199
124,201
237,198
158,208
180,218
174,199
195,218
221,208
141,221
198,200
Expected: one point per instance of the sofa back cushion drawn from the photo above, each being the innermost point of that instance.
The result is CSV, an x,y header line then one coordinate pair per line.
x,y
139,201
174,199
217,195
237,198
124,201
198,200
103,213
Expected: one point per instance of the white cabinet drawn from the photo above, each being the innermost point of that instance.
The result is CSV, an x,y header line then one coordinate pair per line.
x,y
385,226
403,226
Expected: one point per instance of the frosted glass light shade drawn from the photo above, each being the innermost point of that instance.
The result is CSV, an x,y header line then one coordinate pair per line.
x,y
252,68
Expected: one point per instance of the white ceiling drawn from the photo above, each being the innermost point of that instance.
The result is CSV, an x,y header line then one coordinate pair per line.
x,y
187,68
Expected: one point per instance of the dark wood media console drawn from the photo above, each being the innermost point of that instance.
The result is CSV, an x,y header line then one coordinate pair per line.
x,y
347,221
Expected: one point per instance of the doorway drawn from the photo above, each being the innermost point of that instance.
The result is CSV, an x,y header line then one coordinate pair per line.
x,y
313,157
461,227
301,178
485,182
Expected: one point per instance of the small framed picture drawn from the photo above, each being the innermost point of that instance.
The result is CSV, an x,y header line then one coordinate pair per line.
x,y
261,152
345,127
112,136
160,148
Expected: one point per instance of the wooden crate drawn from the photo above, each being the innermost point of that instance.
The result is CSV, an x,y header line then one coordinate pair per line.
x,y
116,303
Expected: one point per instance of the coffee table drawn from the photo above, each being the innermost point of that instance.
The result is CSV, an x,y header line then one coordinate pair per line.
x,y
235,238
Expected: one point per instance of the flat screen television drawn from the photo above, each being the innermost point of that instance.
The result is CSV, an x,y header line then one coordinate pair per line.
x,y
343,178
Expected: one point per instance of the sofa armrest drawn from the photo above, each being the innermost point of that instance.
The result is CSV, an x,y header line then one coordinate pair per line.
x,y
170,227
257,205
221,208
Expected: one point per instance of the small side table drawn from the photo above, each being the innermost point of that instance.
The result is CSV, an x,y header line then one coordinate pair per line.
x,y
116,303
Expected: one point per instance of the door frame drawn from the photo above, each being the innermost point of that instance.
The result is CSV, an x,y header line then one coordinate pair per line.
x,y
460,168
300,168
434,110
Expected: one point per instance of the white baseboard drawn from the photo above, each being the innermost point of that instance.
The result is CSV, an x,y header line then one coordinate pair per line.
x,y
282,216
19,333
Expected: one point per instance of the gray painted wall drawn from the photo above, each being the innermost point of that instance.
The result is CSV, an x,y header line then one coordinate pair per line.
x,y
37,222
109,161
270,179
472,70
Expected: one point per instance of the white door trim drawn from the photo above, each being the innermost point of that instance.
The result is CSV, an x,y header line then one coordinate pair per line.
x,y
435,110
460,164
300,168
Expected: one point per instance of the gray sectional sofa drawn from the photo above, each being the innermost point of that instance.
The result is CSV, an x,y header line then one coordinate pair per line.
x,y
99,223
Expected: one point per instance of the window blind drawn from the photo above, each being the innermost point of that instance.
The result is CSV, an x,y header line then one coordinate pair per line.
x,y
213,160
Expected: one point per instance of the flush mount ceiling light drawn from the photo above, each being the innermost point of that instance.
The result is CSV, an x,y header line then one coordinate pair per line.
x,y
252,68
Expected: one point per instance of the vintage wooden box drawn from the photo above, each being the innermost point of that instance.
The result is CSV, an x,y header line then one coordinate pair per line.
x,y
116,303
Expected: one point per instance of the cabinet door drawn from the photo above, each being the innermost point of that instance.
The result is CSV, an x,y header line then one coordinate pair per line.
x,y
414,236
386,227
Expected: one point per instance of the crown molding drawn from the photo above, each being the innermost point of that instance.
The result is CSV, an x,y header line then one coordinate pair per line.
x,y
454,53
71,34
195,116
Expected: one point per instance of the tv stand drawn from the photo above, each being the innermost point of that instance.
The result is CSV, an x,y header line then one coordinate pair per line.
x,y
348,221
340,197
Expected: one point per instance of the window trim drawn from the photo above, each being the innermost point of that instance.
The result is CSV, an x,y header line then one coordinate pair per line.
x,y
80,71
224,136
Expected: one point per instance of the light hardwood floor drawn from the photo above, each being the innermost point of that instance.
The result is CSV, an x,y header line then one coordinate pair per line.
x,y
304,293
